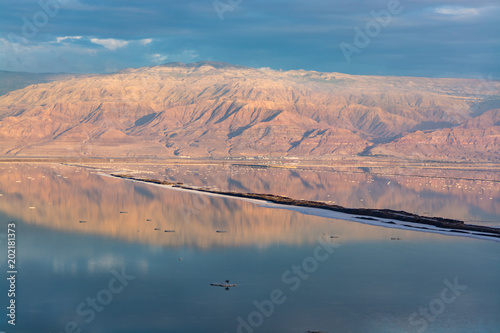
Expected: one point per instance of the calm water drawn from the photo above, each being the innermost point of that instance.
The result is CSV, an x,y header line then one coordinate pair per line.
x,y
359,281
469,195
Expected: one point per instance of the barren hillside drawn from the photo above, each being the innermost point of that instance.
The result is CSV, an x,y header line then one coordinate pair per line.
x,y
217,110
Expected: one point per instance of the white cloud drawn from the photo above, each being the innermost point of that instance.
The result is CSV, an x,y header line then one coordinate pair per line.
x,y
74,54
457,11
184,56
158,58
190,54
33,56
60,39
146,41
110,43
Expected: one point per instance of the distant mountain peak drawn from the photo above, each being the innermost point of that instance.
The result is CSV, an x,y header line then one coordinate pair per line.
x,y
214,64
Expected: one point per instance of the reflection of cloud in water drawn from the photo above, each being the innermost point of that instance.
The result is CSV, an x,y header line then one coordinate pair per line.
x,y
104,263
67,265
143,266
70,264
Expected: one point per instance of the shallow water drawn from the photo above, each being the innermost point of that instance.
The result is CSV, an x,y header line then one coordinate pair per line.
x,y
468,195
358,281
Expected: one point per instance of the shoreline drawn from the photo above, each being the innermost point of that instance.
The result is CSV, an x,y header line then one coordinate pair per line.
x,y
380,217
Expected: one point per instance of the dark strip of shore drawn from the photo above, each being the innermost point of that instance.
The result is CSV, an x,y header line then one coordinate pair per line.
x,y
366,213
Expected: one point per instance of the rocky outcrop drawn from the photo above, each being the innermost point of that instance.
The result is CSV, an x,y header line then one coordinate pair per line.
x,y
476,139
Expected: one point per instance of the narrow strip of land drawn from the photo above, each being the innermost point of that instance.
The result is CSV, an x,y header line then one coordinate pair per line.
x,y
456,226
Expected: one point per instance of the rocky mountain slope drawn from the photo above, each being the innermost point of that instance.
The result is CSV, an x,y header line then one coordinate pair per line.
x,y
476,139
212,109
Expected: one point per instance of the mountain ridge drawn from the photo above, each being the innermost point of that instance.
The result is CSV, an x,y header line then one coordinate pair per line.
x,y
211,109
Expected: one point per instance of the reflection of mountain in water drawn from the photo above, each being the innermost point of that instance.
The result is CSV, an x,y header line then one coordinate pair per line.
x,y
436,192
74,200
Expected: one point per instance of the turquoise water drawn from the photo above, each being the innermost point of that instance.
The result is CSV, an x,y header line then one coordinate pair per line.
x,y
291,275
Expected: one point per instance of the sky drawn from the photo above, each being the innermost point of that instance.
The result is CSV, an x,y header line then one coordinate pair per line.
x,y
432,38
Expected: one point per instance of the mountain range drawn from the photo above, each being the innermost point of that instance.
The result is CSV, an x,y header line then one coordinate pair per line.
x,y
219,110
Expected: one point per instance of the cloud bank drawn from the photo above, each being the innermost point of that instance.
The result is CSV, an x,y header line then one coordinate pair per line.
x,y
443,38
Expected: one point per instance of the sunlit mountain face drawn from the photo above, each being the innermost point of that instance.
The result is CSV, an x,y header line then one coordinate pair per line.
x,y
219,110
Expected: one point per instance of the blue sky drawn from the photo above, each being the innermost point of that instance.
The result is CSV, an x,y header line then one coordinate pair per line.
x,y
433,38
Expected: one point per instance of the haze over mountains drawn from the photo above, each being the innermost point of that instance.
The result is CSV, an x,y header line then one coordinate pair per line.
x,y
17,80
220,110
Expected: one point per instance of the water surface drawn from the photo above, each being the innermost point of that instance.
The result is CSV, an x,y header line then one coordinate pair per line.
x,y
367,282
